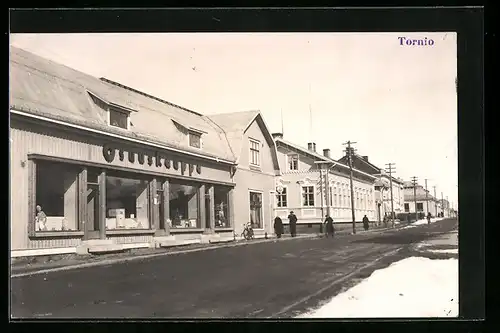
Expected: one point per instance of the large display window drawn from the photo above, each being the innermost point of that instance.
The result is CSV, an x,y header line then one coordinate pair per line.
x,y
184,204
56,189
127,202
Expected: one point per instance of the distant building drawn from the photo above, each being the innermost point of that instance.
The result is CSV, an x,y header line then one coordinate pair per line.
x,y
313,185
425,201
382,186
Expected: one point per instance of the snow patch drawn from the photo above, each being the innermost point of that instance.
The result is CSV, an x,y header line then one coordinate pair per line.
x,y
451,251
424,221
413,287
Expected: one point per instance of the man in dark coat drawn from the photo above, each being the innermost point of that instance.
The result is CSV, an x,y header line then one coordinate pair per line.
x,y
366,223
278,226
293,224
330,230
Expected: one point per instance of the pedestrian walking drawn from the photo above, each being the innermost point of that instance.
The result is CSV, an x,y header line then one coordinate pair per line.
x,y
292,218
278,226
329,228
366,223
429,218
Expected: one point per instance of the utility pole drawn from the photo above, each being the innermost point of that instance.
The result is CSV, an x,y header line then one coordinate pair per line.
x,y
447,206
426,196
442,203
414,181
435,198
350,152
390,169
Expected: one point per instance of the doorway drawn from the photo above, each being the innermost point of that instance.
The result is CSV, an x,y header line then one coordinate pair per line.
x,y
92,211
208,208
160,196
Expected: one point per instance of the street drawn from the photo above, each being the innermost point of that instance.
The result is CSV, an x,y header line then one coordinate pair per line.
x,y
274,279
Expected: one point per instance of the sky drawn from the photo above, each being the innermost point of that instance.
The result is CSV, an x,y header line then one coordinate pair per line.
x,y
397,102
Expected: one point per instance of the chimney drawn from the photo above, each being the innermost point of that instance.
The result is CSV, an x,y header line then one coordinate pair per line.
x,y
326,153
311,146
277,135
365,158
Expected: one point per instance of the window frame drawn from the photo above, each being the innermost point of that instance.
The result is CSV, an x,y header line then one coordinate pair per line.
x,y
303,204
253,150
194,133
278,195
118,110
289,156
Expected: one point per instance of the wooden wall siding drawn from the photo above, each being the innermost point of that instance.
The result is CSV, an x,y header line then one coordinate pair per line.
x,y
31,138
55,142
131,239
44,243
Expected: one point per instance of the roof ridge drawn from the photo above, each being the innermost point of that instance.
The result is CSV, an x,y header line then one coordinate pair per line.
x,y
148,95
225,135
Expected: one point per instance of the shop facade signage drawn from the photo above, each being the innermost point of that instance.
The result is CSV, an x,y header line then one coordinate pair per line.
x,y
136,155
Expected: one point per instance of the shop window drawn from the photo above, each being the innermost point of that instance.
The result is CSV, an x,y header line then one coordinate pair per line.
x,y
127,202
420,206
56,206
194,139
407,208
118,118
256,217
184,205
221,207
254,153
308,196
281,198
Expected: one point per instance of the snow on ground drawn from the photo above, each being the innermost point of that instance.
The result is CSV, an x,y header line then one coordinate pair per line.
x,y
413,287
424,221
451,251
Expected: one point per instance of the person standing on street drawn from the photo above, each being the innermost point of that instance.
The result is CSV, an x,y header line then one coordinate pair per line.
x,y
429,218
366,223
330,230
293,223
278,226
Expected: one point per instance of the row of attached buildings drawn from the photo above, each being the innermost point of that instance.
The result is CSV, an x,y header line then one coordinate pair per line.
x,y
98,166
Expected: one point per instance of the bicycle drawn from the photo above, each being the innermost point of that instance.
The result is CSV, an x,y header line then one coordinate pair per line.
x,y
247,231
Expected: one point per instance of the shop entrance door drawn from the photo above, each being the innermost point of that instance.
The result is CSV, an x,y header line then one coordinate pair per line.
x,y
161,209
92,211
208,208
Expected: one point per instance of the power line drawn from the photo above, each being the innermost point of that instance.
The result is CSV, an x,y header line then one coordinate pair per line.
x,y
350,150
391,169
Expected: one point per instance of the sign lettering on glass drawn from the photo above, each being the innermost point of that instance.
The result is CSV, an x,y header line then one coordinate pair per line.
x,y
160,158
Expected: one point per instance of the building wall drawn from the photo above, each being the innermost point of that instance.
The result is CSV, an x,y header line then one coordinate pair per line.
x,y
249,178
31,138
432,207
309,174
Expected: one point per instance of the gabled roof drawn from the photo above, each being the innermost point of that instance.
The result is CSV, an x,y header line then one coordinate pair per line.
x,y
320,157
235,125
362,160
47,89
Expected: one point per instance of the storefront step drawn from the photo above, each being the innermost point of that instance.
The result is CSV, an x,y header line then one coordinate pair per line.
x,y
171,243
221,240
108,248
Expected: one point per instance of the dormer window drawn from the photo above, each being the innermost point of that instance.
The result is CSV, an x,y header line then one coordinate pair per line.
x,y
118,118
194,139
117,115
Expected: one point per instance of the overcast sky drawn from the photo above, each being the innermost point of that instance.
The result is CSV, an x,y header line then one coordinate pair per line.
x,y
397,102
